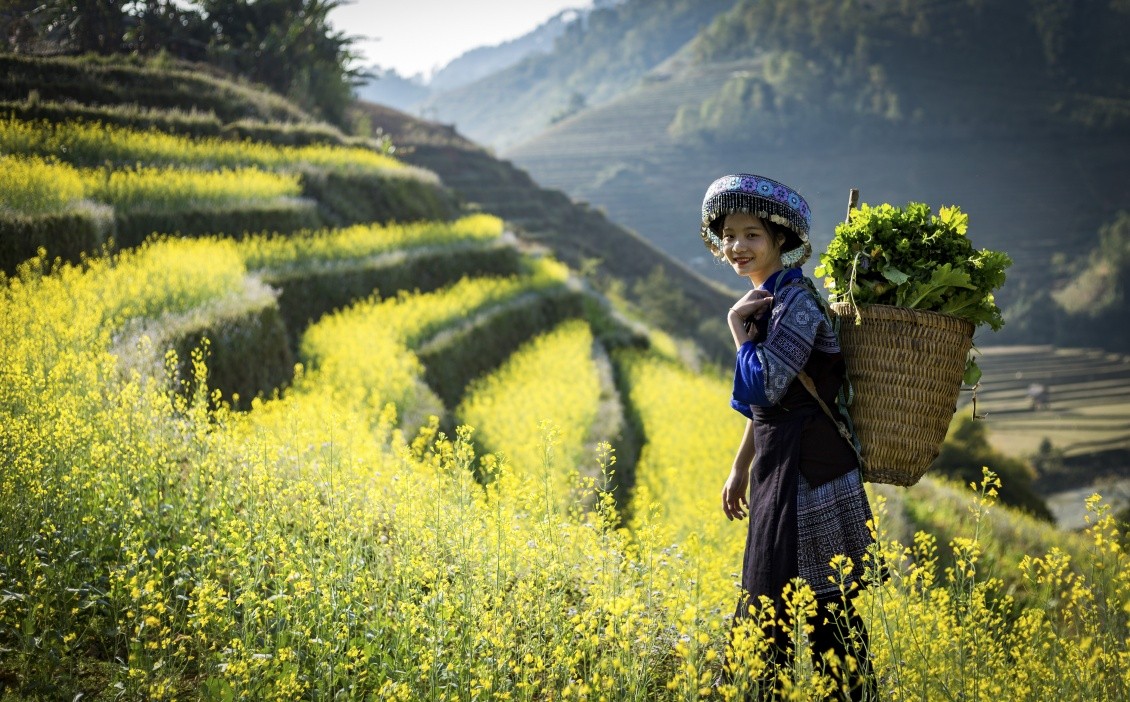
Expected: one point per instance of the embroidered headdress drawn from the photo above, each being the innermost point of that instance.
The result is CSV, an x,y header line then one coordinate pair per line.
x,y
764,198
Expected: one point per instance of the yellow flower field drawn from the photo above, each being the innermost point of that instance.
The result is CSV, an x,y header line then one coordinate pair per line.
x,y
175,188
89,143
689,448
537,410
158,545
306,549
277,252
33,185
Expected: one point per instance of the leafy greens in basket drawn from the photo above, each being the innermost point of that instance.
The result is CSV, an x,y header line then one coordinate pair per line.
x,y
912,258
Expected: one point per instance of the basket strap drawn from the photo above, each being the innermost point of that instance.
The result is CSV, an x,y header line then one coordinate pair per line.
x,y
847,391
806,381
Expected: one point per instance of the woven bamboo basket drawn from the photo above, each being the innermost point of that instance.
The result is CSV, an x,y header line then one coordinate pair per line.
x,y
906,368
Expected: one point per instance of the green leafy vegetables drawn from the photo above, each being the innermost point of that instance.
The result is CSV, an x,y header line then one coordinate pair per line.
x,y
912,258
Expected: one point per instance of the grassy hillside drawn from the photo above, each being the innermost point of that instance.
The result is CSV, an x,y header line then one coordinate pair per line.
x,y
117,82
621,157
594,60
882,61
233,471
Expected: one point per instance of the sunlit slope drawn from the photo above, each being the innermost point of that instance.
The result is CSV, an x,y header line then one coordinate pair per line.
x,y
621,157
76,186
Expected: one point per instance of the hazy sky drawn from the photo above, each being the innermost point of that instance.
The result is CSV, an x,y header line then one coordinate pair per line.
x,y
419,36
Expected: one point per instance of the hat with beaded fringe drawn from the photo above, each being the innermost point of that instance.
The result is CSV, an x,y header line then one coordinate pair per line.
x,y
764,198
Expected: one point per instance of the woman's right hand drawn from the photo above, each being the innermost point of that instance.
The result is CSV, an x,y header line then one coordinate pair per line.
x,y
735,503
753,304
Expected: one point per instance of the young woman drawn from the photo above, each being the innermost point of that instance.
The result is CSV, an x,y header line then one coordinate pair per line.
x,y
805,500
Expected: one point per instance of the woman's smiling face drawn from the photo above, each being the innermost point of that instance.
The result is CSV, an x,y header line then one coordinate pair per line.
x,y
750,249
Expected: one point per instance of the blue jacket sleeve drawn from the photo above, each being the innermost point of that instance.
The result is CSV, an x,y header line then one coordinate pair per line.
x,y
749,380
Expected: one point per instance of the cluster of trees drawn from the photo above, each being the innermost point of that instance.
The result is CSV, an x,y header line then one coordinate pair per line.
x,y
287,45
865,60
617,43
1060,34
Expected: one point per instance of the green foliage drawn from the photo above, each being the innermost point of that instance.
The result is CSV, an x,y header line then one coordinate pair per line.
x,y
247,354
1099,286
575,104
307,295
67,235
786,91
172,120
120,80
1051,468
235,220
289,46
662,303
188,123
909,257
96,26
349,198
966,451
1084,303
95,144
866,60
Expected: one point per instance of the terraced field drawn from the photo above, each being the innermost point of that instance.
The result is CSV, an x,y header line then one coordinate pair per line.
x,y
1087,417
580,236
1089,391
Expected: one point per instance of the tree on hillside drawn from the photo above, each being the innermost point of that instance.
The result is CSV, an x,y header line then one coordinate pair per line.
x,y
82,26
169,26
287,45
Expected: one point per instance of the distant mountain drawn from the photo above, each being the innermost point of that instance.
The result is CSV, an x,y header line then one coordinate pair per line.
x,y
485,60
410,94
388,87
597,57
1016,110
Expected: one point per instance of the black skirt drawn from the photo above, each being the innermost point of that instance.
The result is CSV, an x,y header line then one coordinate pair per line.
x,y
806,500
